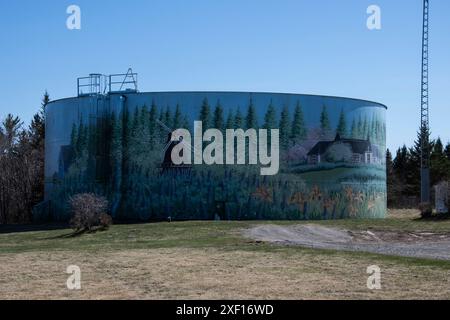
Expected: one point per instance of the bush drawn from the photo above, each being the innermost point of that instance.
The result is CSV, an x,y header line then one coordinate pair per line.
x,y
426,210
105,221
89,211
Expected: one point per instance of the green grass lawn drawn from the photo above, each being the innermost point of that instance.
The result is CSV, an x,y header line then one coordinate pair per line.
x,y
194,234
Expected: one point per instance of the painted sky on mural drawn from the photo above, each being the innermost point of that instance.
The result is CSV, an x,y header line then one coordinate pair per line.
x,y
315,47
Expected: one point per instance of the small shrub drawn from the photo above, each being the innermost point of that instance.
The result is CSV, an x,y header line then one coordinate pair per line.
x,y
105,221
426,209
88,212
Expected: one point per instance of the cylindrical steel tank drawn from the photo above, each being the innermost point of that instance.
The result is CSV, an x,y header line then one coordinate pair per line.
x,y
331,156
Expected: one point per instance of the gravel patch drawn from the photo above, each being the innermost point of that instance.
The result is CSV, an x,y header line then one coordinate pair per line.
x,y
407,244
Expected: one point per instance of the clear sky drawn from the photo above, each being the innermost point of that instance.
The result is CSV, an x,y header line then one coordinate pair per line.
x,y
298,46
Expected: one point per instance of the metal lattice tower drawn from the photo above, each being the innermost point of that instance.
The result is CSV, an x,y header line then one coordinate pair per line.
x,y
424,111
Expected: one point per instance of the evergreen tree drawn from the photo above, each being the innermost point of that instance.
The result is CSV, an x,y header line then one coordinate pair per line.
x,y
135,121
270,122
168,118
134,141
161,115
285,129
74,138
375,130
185,123
365,128
414,163
143,136
161,127
218,122
205,114
230,120
144,117
325,120
440,166
342,125
251,121
372,131
126,150
116,150
299,131
82,140
360,128
390,178
238,120
400,163
153,116
354,130
447,150
37,126
12,126
270,118
438,149
177,119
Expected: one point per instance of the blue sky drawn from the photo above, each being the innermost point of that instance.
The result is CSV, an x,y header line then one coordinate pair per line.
x,y
315,47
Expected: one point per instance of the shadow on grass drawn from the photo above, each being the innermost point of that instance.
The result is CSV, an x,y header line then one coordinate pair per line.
x,y
19,228
434,217
77,233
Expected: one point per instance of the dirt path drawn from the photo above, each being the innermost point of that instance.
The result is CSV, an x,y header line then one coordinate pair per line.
x,y
420,245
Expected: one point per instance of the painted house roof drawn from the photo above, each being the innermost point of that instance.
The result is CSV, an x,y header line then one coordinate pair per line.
x,y
358,146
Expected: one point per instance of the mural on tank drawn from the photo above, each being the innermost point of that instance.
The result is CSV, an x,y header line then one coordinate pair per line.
x,y
332,163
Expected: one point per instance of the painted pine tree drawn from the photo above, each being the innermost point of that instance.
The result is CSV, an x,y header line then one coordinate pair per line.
x,y
360,134
342,125
238,119
82,140
230,120
365,134
325,125
205,114
285,128
270,118
177,118
153,126
270,122
73,140
185,124
168,120
299,131
354,130
218,121
251,121
116,154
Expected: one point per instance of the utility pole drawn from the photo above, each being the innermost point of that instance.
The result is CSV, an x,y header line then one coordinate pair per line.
x,y
424,112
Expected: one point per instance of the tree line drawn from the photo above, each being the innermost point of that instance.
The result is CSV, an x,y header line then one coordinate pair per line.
x,y
403,171
293,128
21,166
